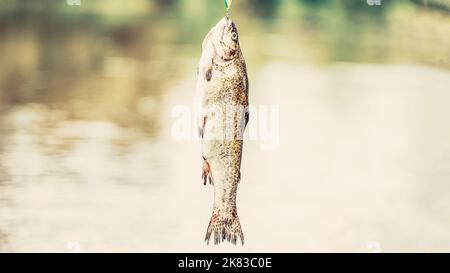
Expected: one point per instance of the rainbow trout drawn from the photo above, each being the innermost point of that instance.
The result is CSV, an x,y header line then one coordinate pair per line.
x,y
223,88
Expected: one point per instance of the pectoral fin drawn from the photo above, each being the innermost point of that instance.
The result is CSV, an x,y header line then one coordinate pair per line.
x,y
206,174
247,117
201,126
208,73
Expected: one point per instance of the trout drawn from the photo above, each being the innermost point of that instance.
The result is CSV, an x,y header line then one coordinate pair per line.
x,y
223,89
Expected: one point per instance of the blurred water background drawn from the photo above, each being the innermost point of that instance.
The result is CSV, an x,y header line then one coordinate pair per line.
x,y
87,161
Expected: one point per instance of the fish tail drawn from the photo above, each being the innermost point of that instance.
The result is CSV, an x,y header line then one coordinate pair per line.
x,y
224,227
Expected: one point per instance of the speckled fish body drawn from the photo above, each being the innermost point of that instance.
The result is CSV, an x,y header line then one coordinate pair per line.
x,y
223,88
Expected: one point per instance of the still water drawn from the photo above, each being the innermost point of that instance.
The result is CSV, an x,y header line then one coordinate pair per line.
x,y
88,161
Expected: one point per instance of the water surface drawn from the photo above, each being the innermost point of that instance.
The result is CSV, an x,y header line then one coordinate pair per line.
x,y
88,161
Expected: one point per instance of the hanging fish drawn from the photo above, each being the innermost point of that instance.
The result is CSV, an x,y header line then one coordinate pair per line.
x,y
223,87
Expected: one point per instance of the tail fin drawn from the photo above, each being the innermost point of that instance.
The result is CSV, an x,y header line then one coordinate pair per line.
x,y
225,227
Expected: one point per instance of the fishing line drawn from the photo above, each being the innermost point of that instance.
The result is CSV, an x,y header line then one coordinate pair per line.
x,y
228,4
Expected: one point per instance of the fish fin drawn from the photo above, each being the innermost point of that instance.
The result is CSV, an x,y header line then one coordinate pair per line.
x,y
224,227
206,175
247,118
208,72
201,126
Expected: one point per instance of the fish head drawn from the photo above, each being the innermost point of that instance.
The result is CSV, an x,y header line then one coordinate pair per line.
x,y
224,39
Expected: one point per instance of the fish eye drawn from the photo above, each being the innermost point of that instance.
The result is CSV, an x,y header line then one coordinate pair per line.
x,y
234,36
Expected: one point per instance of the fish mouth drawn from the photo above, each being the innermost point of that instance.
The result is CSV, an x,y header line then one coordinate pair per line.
x,y
217,32
225,25
219,37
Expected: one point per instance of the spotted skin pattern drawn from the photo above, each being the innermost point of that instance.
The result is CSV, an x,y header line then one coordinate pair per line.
x,y
223,88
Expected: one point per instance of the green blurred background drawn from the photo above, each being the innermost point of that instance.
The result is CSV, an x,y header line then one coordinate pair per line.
x,y
105,54
87,161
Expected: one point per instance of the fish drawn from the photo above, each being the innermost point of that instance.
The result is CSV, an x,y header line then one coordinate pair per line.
x,y
223,88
